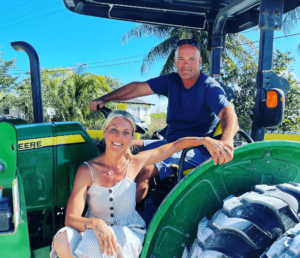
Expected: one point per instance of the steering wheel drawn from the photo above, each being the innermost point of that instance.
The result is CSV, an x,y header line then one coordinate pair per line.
x,y
106,111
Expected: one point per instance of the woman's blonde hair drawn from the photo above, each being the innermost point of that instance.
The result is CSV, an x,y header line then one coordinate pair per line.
x,y
124,114
120,113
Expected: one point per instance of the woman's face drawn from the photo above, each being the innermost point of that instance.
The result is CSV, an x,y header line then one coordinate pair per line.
x,y
118,134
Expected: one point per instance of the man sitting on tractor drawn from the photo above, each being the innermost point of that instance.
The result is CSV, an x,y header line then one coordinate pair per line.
x,y
196,105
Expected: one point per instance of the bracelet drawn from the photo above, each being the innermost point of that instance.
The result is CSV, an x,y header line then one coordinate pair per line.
x,y
86,223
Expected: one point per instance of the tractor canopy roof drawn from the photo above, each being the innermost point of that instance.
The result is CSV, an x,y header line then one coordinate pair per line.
x,y
239,14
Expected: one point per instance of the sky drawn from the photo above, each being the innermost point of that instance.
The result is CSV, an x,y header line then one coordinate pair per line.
x,y
63,39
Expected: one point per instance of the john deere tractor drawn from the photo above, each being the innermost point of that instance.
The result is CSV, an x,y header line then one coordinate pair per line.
x,y
246,208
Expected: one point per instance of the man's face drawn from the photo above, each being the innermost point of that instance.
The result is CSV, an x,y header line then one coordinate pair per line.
x,y
188,61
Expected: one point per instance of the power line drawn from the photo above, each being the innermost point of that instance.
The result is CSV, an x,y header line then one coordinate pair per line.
x,y
16,6
114,59
105,61
30,12
73,69
32,19
254,42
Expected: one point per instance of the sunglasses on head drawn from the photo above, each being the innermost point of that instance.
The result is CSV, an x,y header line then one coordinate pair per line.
x,y
188,41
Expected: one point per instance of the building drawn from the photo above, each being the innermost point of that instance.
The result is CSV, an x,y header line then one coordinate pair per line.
x,y
138,108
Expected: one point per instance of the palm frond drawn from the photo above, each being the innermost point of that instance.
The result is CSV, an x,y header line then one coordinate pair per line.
x,y
146,30
169,65
237,45
290,20
160,51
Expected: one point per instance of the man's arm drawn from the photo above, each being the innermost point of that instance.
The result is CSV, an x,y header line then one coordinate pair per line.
x,y
230,126
129,91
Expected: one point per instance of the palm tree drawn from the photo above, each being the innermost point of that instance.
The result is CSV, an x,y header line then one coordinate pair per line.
x,y
69,91
290,21
170,36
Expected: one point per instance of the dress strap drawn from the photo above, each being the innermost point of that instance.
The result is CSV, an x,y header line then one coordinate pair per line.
x,y
91,170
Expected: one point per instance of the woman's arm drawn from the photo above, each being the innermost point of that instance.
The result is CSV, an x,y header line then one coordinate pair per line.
x,y
77,199
75,207
163,152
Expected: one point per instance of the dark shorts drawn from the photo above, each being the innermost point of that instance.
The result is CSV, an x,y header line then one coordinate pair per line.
x,y
193,158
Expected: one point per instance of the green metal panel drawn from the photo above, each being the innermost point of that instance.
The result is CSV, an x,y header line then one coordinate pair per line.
x,y
8,156
201,192
13,244
49,155
17,244
41,252
14,121
36,164
69,157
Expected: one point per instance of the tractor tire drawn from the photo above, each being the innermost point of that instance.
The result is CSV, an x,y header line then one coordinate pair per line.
x,y
248,225
287,246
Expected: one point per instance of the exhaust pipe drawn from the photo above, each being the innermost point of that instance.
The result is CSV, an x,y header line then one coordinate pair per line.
x,y
36,88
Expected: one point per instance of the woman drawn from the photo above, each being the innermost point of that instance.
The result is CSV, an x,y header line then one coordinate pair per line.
x,y
112,227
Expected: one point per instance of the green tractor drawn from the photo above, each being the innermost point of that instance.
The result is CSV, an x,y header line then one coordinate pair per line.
x,y
202,216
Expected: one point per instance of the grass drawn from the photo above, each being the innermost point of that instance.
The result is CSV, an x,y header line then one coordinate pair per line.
x,y
158,121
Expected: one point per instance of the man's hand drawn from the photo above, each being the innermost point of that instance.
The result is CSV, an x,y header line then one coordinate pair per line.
x,y
94,104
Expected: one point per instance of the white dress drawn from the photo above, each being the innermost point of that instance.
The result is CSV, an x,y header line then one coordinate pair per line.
x,y
116,207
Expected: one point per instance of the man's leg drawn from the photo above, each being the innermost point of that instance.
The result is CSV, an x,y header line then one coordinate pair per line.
x,y
143,178
195,157
138,144
142,181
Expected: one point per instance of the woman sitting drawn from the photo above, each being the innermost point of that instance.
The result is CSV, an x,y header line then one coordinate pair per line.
x,y
111,227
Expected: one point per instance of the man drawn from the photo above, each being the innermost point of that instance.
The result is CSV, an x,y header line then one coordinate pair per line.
x,y
196,105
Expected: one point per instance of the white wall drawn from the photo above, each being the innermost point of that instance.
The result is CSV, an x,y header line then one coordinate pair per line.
x,y
143,111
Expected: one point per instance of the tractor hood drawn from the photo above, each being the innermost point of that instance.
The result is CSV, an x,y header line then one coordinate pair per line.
x,y
182,13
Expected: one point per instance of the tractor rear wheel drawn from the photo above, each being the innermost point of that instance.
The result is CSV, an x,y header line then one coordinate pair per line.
x,y
248,225
287,246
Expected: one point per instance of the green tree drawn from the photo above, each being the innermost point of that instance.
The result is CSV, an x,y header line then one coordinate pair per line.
x,y
242,77
170,36
68,92
8,83
7,80
113,83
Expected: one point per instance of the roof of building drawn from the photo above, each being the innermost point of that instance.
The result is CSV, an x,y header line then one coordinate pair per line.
x,y
136,101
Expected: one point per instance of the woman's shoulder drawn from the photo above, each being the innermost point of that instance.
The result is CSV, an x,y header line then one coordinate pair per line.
x,y
83,174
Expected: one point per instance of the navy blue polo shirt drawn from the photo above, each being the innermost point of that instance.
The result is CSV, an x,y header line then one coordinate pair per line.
x,y
193,111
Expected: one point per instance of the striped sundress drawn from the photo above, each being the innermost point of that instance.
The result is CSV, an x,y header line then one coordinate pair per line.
x,y
116,207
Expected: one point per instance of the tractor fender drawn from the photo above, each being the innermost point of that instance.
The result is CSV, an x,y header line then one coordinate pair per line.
x,y
201,193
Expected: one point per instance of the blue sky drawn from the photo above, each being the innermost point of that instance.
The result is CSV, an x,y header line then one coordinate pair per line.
x,y
64,39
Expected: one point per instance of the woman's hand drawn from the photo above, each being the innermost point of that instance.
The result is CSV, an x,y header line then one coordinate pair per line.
x,y
220,151
105,235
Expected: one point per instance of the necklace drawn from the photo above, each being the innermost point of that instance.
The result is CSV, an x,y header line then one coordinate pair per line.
x,y
109,172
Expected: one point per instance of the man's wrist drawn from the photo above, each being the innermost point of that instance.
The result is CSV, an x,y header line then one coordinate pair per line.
x,y
228,140
101,99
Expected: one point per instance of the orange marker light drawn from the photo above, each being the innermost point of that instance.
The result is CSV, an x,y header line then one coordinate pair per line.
x,y
281,99
271,99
